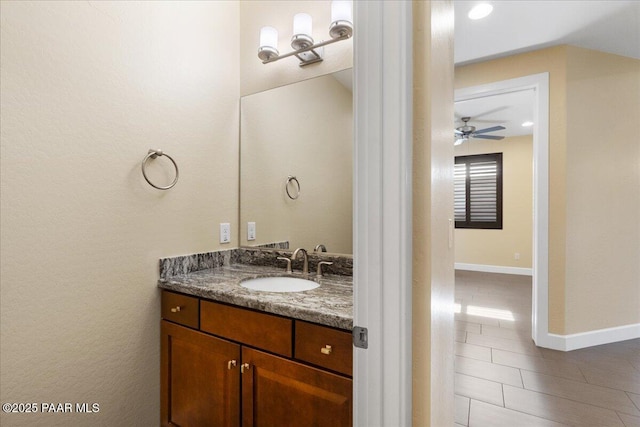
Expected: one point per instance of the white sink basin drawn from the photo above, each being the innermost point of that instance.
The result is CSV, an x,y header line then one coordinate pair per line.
x,y
279,284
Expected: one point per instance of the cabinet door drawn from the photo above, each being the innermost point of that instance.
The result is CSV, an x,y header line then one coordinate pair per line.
x,y
283,393
200,386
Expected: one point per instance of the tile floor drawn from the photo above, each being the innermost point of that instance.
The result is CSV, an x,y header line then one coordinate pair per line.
x,y
503,379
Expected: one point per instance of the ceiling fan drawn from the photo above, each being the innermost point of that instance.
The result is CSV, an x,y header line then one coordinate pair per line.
x,y
466,131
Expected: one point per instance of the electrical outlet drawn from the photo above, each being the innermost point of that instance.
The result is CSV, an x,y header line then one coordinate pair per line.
x,y
516,255
251,231
225,232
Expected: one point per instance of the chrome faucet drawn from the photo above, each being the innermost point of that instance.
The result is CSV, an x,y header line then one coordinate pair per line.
x,y
305,265
288,263
320,248
320,264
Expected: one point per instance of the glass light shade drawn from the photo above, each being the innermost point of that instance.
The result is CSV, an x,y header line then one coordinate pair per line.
x,y
341,19
341,10
268,37
301,31
302,24
268,43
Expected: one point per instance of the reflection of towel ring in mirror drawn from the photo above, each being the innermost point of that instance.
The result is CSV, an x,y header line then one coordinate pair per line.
x,y
290,179
153,154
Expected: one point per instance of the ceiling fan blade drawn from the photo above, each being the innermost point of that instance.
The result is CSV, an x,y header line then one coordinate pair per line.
x,y
459,132
487,136
491,129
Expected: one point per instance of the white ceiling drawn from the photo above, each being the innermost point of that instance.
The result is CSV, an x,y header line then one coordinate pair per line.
x,y
518,26
509,110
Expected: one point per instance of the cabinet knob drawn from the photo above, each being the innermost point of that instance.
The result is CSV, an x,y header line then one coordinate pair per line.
x,y
175,309
243,367
231,364
326,349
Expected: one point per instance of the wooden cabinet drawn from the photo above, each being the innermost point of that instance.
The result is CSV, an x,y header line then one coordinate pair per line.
x,y
181,309
280,392
199,379
248,368
260,330
325,347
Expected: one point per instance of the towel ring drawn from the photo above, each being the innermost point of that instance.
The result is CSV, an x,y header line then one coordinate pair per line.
x,y
291,178
153,154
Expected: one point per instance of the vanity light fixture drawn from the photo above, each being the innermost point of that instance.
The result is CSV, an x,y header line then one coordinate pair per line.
x,y
268,43
527,124
480,11
305,50
302,29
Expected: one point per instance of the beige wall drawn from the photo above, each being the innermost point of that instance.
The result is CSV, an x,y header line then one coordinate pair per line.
x,y
87,89
256,76
304,130
497,247
603,191
593,263
433,256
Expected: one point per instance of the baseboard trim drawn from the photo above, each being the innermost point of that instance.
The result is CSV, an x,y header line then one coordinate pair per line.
x,y
494,269
563,342
591,338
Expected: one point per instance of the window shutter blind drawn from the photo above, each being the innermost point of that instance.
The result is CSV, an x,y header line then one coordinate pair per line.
x,y
460,191
478,191
483,191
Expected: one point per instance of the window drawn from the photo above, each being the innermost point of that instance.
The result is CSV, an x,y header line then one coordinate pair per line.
x,y
478,191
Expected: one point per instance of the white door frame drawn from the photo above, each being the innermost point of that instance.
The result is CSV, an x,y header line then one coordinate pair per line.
x,y
540,85
382,211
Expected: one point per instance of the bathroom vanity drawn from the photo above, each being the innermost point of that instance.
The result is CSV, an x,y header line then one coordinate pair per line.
x,y
233,356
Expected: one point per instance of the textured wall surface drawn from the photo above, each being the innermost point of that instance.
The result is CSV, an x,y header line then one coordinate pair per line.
x,y
87,88
603,191
497,247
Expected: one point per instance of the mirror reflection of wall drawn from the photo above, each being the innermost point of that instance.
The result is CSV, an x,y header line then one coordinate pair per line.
x,y
304,130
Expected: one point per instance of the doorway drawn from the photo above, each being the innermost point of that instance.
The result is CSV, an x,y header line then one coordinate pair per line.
x,y
539,83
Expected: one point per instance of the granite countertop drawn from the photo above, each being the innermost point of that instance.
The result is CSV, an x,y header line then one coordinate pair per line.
x,y
330,304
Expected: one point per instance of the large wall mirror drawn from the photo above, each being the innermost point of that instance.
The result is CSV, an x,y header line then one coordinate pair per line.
x,y
302,130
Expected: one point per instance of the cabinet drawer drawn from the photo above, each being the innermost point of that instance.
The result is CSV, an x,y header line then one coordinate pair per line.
x,y
325,347
265,331
180,309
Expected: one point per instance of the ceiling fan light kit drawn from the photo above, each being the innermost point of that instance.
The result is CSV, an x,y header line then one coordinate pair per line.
x,y
466,132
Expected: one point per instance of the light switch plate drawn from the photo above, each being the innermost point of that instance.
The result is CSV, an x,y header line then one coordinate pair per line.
x,y
251,231
225,232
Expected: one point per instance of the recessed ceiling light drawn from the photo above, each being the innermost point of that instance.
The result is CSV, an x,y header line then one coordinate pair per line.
x,y
527,124
480,11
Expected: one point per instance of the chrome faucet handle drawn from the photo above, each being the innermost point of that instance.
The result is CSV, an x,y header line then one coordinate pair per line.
x,y
320,248
305,264
288,263
320,264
